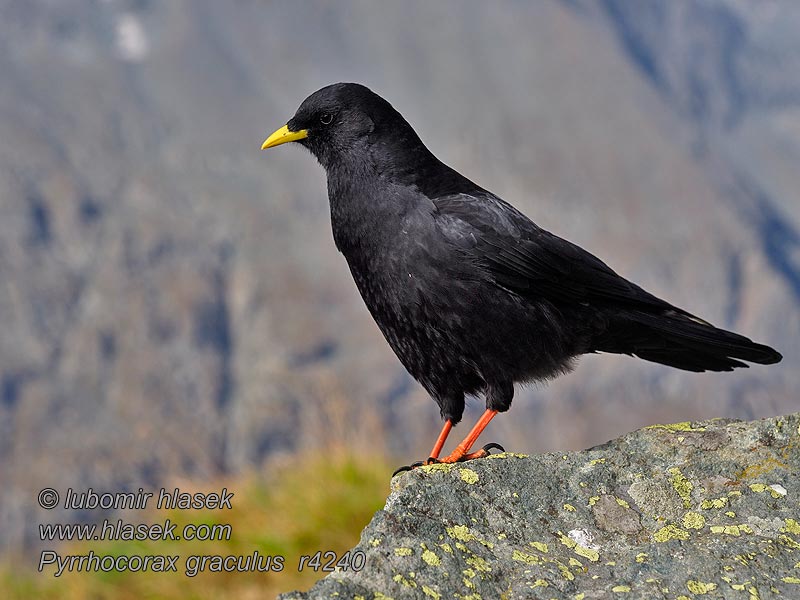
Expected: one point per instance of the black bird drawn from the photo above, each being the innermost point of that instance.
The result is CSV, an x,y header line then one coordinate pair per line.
x,y
471,294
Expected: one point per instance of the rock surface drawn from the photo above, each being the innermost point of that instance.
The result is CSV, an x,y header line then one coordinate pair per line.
x,y
670,511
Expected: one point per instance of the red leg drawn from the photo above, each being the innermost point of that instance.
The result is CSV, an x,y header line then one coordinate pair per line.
x,y
437,447
461,451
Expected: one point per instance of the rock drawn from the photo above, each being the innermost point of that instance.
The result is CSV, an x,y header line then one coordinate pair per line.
x,y
670,511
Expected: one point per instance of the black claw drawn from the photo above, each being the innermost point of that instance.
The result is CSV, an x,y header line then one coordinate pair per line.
x,y
410,467
493,446
414,465
401,469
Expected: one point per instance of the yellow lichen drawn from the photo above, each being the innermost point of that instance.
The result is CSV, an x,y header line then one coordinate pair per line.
x,y
469,476
375,542
567,541
670,532
403,551
523,557
791,526
437,468
446,547
540,546
734,530
430,557
592,555
460,532
675,427
506,455
593,500
641,557
573,562
622,502
431,593
565,571
403,581
539,583
682,485
478,563
700,588
621,589
714,503
791,579
788,542
569,508
468,575
693,520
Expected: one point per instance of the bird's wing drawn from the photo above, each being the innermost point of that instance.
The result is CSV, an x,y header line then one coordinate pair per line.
x,y
529,261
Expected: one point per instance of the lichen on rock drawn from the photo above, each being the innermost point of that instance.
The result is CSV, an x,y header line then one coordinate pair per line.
x,y
669,511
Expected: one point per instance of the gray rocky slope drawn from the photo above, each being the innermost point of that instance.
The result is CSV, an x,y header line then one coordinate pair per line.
x,y
670,511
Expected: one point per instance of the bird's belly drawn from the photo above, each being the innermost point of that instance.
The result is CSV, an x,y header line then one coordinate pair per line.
x,y
412,327
464,333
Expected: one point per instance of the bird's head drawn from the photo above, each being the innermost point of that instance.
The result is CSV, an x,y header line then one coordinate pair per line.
x,y
343,120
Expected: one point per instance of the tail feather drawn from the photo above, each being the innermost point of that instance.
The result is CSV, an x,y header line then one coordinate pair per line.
x,y
681,341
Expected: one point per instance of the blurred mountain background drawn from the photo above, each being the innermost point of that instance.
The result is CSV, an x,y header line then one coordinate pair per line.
x,y
171,303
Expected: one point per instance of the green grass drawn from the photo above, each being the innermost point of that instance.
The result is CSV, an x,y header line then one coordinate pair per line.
x,y
309,505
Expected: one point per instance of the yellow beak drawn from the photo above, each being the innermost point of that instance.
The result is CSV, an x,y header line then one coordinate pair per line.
x,y
282,136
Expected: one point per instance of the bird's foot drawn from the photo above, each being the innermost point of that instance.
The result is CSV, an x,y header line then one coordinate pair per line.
x,y
455,457
459,455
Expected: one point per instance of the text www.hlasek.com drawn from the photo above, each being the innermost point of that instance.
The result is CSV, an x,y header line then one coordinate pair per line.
x,y
119,530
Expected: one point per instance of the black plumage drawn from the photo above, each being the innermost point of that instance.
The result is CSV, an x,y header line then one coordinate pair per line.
x,y
471,294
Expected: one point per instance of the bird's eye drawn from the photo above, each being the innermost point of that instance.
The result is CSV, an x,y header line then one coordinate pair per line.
x,y
326,118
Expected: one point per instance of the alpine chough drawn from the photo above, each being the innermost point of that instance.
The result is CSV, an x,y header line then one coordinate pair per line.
x,y
471,294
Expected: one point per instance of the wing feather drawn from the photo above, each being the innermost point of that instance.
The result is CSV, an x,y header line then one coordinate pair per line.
x,y
529,261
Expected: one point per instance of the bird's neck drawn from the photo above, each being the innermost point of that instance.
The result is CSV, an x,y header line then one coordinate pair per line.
x,y
367,208
371,190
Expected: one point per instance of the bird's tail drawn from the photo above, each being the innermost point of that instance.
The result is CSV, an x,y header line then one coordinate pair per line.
x,y
682,341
